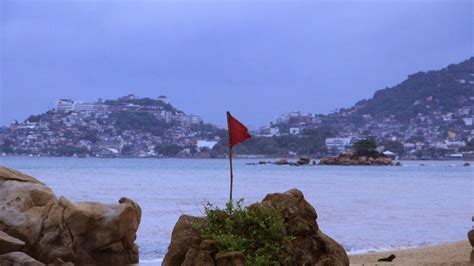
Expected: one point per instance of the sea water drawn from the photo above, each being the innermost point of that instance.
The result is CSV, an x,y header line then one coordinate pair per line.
x,y
365,208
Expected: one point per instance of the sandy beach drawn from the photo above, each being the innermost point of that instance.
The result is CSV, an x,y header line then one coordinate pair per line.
x,y
456,253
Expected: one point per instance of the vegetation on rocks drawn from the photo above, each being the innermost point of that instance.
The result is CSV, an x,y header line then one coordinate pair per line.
x,y
364,153
366,147
279,230
259,232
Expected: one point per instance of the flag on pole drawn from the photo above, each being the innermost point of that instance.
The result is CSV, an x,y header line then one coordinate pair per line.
x,y
237,131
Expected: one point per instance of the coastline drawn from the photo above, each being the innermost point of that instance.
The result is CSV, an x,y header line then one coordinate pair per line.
x,y
241,157
453,253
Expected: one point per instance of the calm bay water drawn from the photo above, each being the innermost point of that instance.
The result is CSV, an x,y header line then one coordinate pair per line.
x,y
363,208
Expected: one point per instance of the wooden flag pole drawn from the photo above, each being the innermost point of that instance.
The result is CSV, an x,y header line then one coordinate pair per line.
x,y
231,173
237,133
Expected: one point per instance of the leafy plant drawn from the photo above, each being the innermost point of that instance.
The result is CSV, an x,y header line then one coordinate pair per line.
x,y
366,147
258,231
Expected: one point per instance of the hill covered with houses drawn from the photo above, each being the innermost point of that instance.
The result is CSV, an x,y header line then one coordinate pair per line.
x,y
127,126
429,116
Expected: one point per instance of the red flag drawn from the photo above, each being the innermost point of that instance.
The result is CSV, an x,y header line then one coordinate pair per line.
x,y
237,131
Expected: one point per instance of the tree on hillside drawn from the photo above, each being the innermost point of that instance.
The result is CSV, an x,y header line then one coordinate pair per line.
x,y
168,150
6,147
140,121
366,147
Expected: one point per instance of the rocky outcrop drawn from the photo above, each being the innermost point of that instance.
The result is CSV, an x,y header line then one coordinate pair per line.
x,y
18,258
51,229
470,236
309,246
9,244
352,159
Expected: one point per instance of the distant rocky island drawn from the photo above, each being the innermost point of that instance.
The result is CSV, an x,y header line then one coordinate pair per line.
x,y
364,153
430,115
352,159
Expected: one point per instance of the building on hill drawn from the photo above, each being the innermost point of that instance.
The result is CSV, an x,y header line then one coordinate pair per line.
x,y
269,131
69,105
208,144
295,130
338,145
164,99
64,105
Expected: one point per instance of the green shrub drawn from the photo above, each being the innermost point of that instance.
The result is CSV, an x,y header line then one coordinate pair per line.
x,y
259,232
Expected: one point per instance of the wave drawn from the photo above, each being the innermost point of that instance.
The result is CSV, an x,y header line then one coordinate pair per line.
x,y
156,261
357,251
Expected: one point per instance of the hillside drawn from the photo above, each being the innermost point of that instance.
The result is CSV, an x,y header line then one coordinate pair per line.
x,y
428,115
127,126
444,90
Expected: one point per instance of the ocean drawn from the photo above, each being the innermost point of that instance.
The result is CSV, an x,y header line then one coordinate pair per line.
x,y
365,208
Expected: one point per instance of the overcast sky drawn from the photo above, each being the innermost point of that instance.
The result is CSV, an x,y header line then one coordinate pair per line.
x,y
257,59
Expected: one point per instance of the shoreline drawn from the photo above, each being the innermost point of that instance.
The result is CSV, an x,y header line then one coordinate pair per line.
x,y
244,157
452,253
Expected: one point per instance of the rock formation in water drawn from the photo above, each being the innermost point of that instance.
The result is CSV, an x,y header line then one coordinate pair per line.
x,y
350,158
50,230
309,245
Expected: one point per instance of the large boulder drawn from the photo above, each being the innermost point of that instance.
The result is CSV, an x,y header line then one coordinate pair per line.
x,y
470,236
18,258
183,239
309,246
9,244
54,229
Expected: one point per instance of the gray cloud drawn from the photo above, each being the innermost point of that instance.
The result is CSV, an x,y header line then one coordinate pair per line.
x,y
257,59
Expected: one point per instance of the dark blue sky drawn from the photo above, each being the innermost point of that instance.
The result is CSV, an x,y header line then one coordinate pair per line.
x,y
257,59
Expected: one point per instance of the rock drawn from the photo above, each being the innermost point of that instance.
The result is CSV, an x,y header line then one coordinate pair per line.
x,y
183,238
52,229
303,161
9,244
18,258
230,259
350,158
466,164
470,236
281,162
197,258
309,245
209,246
60,262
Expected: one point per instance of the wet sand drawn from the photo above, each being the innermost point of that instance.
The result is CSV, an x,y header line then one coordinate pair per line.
x,y
456,253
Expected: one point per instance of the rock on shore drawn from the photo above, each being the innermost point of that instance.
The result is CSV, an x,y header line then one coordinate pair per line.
x,y
310,246
51,230
351,159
